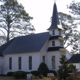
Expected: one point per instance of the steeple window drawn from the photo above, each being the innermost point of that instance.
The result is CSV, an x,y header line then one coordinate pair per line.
x,y
53,43
53,32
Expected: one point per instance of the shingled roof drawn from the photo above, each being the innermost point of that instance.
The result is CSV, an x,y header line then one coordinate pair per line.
x,y
75,58
29,43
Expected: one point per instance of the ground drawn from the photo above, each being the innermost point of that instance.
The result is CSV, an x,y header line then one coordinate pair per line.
x,y
9,78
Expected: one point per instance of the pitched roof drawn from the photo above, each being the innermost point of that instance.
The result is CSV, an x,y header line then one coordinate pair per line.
x,y
75,58
55,19
29,43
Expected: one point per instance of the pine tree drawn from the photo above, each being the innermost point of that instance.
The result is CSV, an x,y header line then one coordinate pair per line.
x,y
63,71
14,20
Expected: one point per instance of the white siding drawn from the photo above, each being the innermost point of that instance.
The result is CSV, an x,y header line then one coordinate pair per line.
x,y
25,63
57,43
56,32
57,58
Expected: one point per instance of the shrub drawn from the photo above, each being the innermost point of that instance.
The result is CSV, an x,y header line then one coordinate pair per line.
x,y
71,68
43,69
20,74
35,73
52,71
63,71
10,73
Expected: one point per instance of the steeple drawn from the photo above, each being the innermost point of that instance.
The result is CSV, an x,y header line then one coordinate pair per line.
x,y
55,19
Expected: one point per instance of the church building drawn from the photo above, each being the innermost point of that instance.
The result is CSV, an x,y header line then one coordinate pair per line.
x,y
25,53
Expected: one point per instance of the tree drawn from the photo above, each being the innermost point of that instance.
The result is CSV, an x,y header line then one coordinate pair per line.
x,y
74,8
70,33
14,20
43,67
63,71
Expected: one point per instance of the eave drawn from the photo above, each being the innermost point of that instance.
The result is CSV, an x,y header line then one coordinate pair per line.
x,y
61,38
63,50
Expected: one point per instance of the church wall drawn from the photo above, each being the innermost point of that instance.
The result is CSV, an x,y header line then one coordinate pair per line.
x,y
25,61
57,58
55,31
57,43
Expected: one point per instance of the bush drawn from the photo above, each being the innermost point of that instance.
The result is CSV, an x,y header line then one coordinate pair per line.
x,y
43,69
20,74
52,71
10,73
71,68
35,73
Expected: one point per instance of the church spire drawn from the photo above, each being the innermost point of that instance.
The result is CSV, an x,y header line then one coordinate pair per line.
x,y
55,19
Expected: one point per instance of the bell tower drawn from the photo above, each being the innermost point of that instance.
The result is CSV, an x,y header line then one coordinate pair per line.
x,y
55,28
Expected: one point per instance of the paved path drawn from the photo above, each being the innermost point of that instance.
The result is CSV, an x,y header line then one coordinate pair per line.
x,y
9,78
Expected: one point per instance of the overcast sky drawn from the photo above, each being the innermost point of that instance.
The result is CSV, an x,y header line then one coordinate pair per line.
x,y
41,11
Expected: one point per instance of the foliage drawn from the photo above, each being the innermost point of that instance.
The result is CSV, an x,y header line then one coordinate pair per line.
x,y
14,20
43,69
71,67
19,74
63,71
35,73
70,32
74,9
10,73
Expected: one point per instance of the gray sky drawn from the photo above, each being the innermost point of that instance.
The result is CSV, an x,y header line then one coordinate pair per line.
x,y
41,11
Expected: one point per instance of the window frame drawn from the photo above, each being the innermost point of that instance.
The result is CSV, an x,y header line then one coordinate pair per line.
x,y
53,32
10,63
53,62
53,43
43,59
30,62
19,63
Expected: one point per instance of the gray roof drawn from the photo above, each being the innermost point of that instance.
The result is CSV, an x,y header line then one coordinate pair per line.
x,y
29,43
75,58
55,19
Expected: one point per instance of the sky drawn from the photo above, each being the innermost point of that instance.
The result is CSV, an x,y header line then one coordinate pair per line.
x,y
41,11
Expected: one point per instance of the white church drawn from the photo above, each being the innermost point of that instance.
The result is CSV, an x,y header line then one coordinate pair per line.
x,y
27,52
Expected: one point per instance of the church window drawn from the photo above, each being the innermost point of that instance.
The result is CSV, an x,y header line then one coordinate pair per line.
x,y
30,62
53,32
43,59
53,43
53,62
10,63
19,63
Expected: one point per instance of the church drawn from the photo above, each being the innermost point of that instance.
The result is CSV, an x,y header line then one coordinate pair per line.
x,y
27,52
